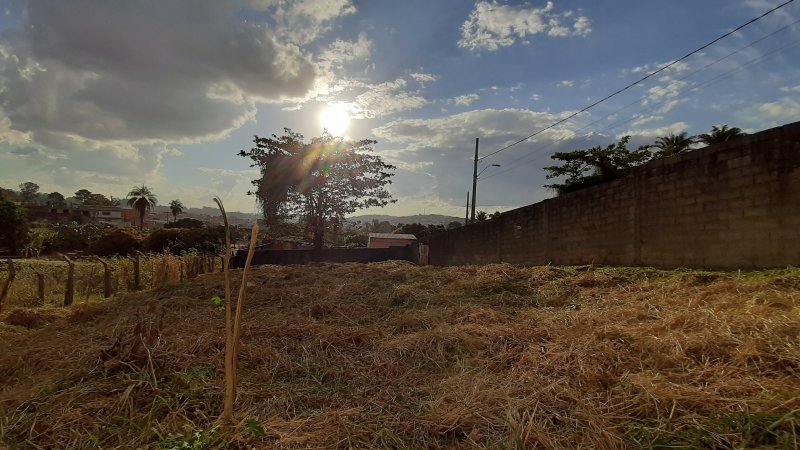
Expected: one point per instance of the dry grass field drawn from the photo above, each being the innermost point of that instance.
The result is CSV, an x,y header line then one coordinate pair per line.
x,y
392,355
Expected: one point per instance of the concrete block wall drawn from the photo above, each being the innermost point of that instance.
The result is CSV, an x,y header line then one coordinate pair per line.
x,y
730,205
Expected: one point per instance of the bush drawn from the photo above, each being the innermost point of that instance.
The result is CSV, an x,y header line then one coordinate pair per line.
x,y
13,226
117,241
179,240
185,223
74,236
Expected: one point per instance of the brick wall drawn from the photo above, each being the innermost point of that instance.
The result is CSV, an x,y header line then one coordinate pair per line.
x,y
730,205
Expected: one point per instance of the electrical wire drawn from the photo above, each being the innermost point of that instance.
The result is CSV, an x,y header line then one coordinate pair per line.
x,y
688,89
650,75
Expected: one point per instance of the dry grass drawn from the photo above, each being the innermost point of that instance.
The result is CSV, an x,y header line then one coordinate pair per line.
x,y
391,355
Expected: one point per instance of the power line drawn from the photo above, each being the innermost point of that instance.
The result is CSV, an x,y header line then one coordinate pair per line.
x,y
688,89
650,75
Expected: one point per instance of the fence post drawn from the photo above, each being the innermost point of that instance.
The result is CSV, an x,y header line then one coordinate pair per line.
x,y
39,285
9,280
183,265
106,278
70,293
137,276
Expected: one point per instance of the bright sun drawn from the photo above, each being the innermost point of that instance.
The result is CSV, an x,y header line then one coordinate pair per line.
x,y
335,119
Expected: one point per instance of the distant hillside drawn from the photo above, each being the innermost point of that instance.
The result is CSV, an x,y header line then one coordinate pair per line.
x,y
424,219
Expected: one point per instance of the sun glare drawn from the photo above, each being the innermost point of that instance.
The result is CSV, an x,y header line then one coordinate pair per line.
x,y
335,119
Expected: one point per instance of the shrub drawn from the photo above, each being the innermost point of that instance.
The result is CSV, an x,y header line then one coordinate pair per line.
x,y
178,240
185,223
75,236
117,241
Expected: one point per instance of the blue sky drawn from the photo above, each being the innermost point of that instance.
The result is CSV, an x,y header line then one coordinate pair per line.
x,y
107,95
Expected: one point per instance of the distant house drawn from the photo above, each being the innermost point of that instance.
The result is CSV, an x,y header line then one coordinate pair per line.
x,y
386,240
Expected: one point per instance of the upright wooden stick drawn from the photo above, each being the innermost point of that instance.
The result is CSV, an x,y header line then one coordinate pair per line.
x,y
230,390
106,278
9,280
39,285
240,300
70,292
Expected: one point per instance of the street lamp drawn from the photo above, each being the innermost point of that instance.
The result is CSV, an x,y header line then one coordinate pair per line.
x,y
475,187
491,165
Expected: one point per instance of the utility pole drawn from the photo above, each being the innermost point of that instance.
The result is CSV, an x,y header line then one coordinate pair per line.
x,y
466,217
474,179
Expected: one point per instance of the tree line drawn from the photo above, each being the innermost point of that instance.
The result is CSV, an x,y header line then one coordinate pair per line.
x,y
583,168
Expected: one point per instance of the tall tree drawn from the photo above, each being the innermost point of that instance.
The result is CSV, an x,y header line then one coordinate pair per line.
x,y
13,226
82,196
55,199
720,134
28,191
672,144
584,168
142,199
325,178
176,207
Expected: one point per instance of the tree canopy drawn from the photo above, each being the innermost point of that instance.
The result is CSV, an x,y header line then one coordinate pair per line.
x,y
176,207
326,178
672,144
584,168
13,226
142,199
720,134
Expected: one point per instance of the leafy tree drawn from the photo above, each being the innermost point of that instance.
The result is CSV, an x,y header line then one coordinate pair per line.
x,y
99,200
494,215
275,157
82,195
417,229
142,199
672,144
28,191
720,134
454,224
584,168
481,216
55,199
186,222
13,226
7,194
320,180
176,207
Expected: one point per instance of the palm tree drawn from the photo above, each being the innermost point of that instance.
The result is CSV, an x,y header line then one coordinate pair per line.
x,y
720,134
142,199
176,207
672,144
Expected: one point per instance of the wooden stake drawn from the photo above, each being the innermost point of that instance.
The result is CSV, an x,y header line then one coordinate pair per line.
x,y
106,278
70,292
9,280
137,275
39,285
230,389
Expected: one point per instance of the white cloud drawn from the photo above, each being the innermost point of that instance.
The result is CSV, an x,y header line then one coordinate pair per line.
x,y
785,109
675,128
566,83
467,99
424,78
536,97
340,51
491,25
794,89
387,98
100,91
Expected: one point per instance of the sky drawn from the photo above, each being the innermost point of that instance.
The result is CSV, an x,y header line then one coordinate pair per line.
x,y
106,95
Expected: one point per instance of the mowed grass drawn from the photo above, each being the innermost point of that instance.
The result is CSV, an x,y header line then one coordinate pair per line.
x,y
392,355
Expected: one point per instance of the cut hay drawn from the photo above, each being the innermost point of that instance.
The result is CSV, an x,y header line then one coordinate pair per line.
x,y
392,355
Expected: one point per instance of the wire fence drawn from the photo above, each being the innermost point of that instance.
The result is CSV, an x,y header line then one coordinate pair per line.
x,y
45,282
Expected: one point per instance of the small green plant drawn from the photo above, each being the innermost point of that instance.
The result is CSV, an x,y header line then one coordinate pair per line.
x,y
197,440
217,301
254,427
